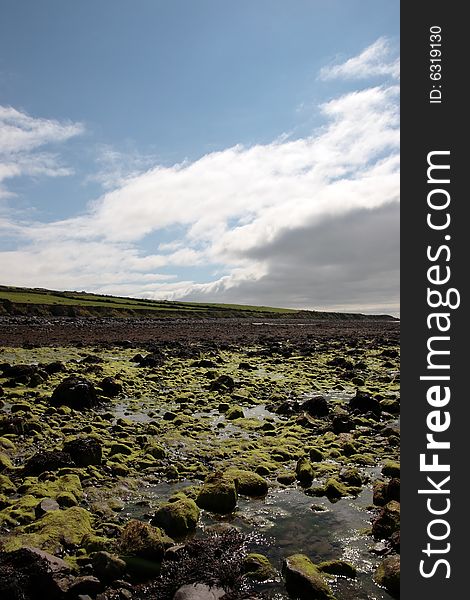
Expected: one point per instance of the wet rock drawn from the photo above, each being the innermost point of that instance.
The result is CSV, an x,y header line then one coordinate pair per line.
x,y
338,567
76,392
107,567
177,518
317,406
380,493
204,363
31,574
388,575
139,539
342,424
304,471
304,580
198,591
47,461
363,402
393,489
258,567
248,482
84,451
388,521
391,468
316,455
110,387
234,412
223,383
54,367
155,359
86,585
5,462
218,494
351,476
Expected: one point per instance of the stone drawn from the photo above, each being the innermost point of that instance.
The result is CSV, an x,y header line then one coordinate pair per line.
x,y
304,580
223,383
388,521
388,575
84,451
45,506
110,387
304,471
342,424
107,567
234,412
86,585
177,518
317,406
142,540
198,591
47,461
249,483
258,567
363,402
391,468
219,494
77,392
338,567
31,574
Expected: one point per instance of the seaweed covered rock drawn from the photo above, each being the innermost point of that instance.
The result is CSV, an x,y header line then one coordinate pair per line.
x,y
54,532
304,471
223,383
338,567
388,521
317,406
198,591
304,580
108,567
388,575
143,540
218,494
391,468
177,518
249,483
258,567
84,451
47,461
77,392
31,574
234,412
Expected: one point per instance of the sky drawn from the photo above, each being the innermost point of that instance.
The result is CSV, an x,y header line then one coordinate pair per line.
x,y
204,150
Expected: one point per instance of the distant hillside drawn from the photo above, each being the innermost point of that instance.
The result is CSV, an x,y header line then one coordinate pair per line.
x,y
42,302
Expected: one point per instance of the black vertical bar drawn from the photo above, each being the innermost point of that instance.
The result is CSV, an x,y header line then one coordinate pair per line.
x,y
433,120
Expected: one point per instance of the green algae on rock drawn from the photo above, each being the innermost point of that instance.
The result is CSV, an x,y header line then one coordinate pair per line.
x,y
304,580
218,494
258,567
249,483
178,517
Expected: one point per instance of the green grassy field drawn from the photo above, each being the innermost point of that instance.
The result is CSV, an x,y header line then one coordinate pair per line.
x,y
25,296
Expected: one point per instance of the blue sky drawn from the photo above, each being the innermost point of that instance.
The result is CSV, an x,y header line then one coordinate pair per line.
x,y
132,133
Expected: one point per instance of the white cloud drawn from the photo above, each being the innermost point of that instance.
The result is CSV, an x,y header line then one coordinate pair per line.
x,y
376,60
230,207
20,138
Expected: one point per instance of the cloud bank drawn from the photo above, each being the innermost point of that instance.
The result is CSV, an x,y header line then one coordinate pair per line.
x,y
309,222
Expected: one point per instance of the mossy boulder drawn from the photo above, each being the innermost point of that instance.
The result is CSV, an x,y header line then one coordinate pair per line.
x,y
47,461
304,580
218,494
316,406
316,455
304,471
391,468
258,567
234,412
65,484
388,575
55,532
6,485
177,518
139,539
249,483
5,462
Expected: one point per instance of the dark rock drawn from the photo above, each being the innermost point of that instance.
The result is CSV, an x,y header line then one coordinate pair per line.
x,y
338,567
47,461
108,567
76,392
388,575
388,521
31,574
204,362
54,367
155,359
223,383
363,402
86,585
342,424
84,451
110,387
317,406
